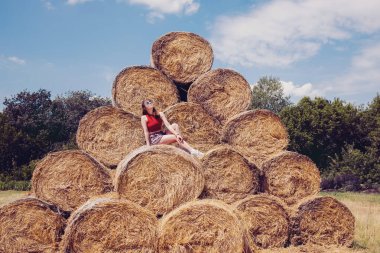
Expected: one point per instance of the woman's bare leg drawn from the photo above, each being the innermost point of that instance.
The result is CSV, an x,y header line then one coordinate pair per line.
x,y
184,145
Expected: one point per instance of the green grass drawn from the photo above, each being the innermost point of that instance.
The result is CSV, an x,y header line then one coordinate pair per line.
x,y
9,196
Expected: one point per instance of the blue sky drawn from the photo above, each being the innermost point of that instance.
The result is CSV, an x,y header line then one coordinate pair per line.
x,y
316,47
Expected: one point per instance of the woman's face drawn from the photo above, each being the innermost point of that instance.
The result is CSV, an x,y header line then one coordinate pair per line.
x,y
148,104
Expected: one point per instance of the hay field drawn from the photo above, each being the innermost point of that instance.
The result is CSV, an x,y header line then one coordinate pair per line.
x,y
365,208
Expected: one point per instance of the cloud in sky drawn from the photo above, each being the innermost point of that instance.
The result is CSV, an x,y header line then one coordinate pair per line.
x,y
75,2
16,60
48,5
281,32
298,91
159,8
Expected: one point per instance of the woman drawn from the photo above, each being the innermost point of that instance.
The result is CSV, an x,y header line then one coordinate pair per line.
x,y
151,121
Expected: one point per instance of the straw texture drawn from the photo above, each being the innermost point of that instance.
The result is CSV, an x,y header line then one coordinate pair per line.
x,y
322,221
133,84
182,56
159,177
291,177
223,93
229,176
257,134
266,220
30,225
197,127
109,134
107,225
69,178
201,226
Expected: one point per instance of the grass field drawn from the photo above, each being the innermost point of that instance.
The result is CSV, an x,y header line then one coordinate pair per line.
x,y
365,208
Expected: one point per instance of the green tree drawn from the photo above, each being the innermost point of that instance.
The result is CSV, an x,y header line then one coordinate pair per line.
x,y
268,93
33,124
320,128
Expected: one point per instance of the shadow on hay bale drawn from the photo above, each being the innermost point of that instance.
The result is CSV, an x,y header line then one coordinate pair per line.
x,y
201,226
322,221
159,177
197,127
133,84
109,134
110,224
228,175
69,178
256,134
223,93
291,177
30,225
182,56
266,220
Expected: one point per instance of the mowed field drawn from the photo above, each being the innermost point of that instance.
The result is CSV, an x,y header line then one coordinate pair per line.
x,y
365,208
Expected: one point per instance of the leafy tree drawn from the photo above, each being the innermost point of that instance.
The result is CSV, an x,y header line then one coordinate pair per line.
x,y
33,124
268,93
320,128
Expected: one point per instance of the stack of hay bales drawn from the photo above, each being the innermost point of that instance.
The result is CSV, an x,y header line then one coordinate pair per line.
x,y
247,194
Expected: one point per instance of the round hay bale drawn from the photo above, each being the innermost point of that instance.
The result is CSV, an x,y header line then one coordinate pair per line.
x,y
223,93
322,221
109,134
198,128
109,224
182,56
256,134
291,177
312,249
201,226
266,220
30,225
159,177
228,175
67,179
133,84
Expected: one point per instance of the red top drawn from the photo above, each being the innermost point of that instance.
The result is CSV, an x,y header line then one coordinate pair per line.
x,y
153,123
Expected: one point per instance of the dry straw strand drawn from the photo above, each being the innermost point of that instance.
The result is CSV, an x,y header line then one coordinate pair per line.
x,y
291,177
310,249
69,178
109,224
159,177
322,221
133,84
197,127
201,226
182,56
109,134
228,175
30,225
257,134
223,93
266,219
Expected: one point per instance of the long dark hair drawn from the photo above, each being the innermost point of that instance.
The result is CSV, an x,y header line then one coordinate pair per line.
x,y
145,112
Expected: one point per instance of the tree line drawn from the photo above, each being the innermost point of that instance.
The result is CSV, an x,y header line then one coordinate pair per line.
x,y
341,138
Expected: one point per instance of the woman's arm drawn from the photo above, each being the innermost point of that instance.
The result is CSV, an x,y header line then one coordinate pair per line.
x,y
167,124
146,133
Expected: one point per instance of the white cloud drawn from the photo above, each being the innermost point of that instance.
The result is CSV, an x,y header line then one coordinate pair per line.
x,y
75,2
281,32
159,8
298,91
363,75
16,60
